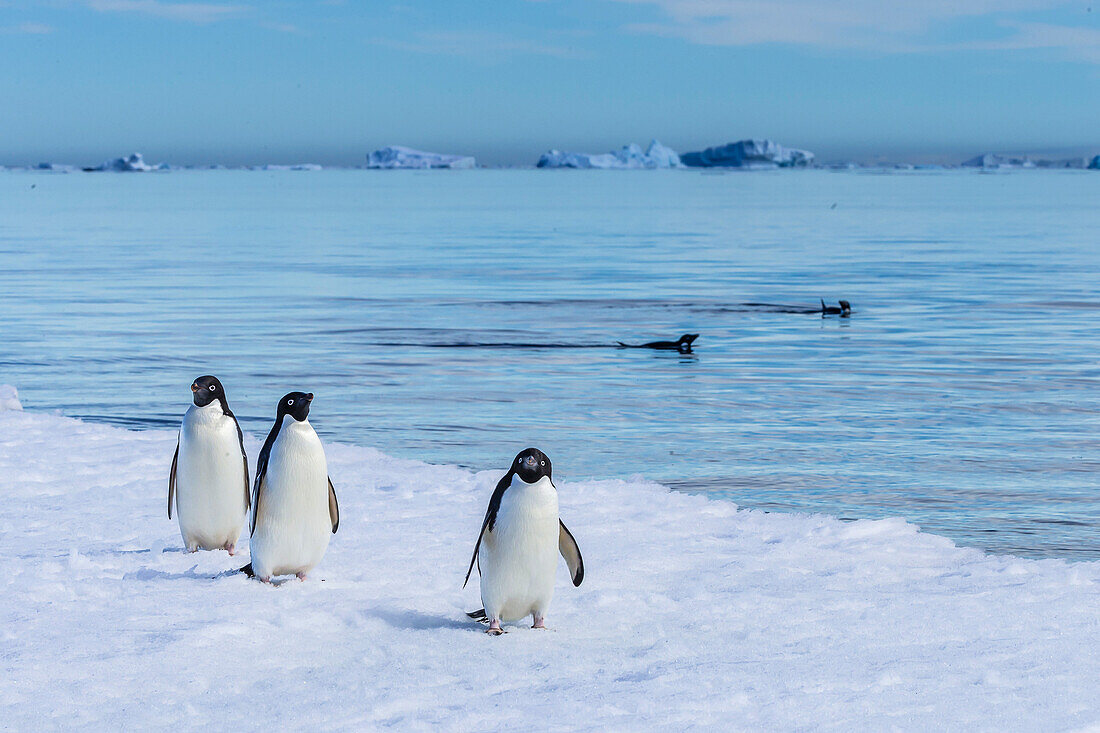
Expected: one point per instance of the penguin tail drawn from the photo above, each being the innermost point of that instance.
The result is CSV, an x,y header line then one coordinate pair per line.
x,y
479,615
247,570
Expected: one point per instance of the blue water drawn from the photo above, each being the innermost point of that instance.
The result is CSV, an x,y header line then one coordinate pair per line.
x,y
962,394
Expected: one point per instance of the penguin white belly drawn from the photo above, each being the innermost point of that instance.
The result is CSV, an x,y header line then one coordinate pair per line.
x,y
519,558
210,479
293,527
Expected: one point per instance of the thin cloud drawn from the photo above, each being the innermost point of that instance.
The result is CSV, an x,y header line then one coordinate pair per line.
x,y
186,12
29,29
901,26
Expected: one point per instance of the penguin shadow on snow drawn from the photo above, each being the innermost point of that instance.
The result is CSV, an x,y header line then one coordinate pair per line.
x,y
410,620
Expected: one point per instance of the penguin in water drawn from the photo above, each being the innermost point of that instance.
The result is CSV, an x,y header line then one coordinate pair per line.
x,y
517,550
843,311
294,509
683,344
208,485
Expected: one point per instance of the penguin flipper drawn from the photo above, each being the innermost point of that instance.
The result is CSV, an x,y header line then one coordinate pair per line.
x,y
257,492
490,520
567,546
479,615
172,477
247,570
244,457
333,507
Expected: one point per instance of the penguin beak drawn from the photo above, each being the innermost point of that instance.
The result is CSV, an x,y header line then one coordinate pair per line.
x,y
530,462
309,397
194,388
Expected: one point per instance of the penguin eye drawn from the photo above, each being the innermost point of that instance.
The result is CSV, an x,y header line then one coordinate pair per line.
x,y
212,388
290,402
544,463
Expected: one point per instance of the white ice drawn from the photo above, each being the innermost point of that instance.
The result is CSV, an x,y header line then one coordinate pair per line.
x,y
693,613
129,164
9,398
628,156
396,156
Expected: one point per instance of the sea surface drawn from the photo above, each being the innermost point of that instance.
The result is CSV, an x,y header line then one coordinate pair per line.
x,y
457,317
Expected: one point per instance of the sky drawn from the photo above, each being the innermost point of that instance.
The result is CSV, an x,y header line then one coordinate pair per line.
x,y
327,81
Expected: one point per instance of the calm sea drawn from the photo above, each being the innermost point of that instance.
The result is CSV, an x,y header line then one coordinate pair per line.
x,y
457,317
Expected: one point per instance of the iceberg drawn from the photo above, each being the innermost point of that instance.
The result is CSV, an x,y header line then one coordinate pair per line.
x,y
751,154
131,163
9,398
293,167
992,160
396,156
55,167
1094,164
628,157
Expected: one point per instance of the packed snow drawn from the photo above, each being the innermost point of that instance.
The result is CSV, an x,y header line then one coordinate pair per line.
x,y
751,154
396,156
9,398
693,613
628,156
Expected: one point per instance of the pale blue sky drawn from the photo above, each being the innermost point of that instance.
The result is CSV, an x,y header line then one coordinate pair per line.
x,y
327,81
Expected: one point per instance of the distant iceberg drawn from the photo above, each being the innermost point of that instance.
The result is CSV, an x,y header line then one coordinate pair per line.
x,y
992,160
131,163
396,156
1094,164
628,156
55,167
293,167
751,154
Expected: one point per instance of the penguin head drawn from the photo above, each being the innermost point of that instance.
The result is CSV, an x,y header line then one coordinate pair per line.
x,y
531,465
845,307
206,390
684,344
295,404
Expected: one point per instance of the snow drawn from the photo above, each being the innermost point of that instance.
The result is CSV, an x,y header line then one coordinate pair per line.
x,y
750,154
131,163
629,156
396,156
9,398
692,614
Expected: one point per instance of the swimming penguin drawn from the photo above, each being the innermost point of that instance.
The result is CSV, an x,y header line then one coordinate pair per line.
x,y
294,509
683,344
517,550
843,311
208,485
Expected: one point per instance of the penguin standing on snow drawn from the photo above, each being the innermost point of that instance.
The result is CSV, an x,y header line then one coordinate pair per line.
x,y
517,550
294,509
208,485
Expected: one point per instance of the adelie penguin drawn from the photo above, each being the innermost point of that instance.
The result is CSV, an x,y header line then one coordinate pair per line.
x,y
683,344
517,550
294,509
208,485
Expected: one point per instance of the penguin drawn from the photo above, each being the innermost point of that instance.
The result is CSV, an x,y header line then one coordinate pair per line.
x,y
294,508
683,344
208,484
843,311
517,550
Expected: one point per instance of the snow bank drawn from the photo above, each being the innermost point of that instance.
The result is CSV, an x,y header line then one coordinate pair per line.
x,y
396,156
752,154
628,156
693,614
9,398
132,163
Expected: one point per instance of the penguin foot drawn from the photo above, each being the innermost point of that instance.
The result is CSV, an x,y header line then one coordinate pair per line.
x,y
540,623
231,548
494,628
301,576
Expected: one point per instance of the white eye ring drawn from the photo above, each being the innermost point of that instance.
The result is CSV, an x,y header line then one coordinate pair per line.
x,y
544,463
290,402
211,388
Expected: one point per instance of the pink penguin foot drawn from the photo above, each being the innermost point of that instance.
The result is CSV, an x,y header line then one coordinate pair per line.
x,y
540,623
302,577
231,548
494,628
